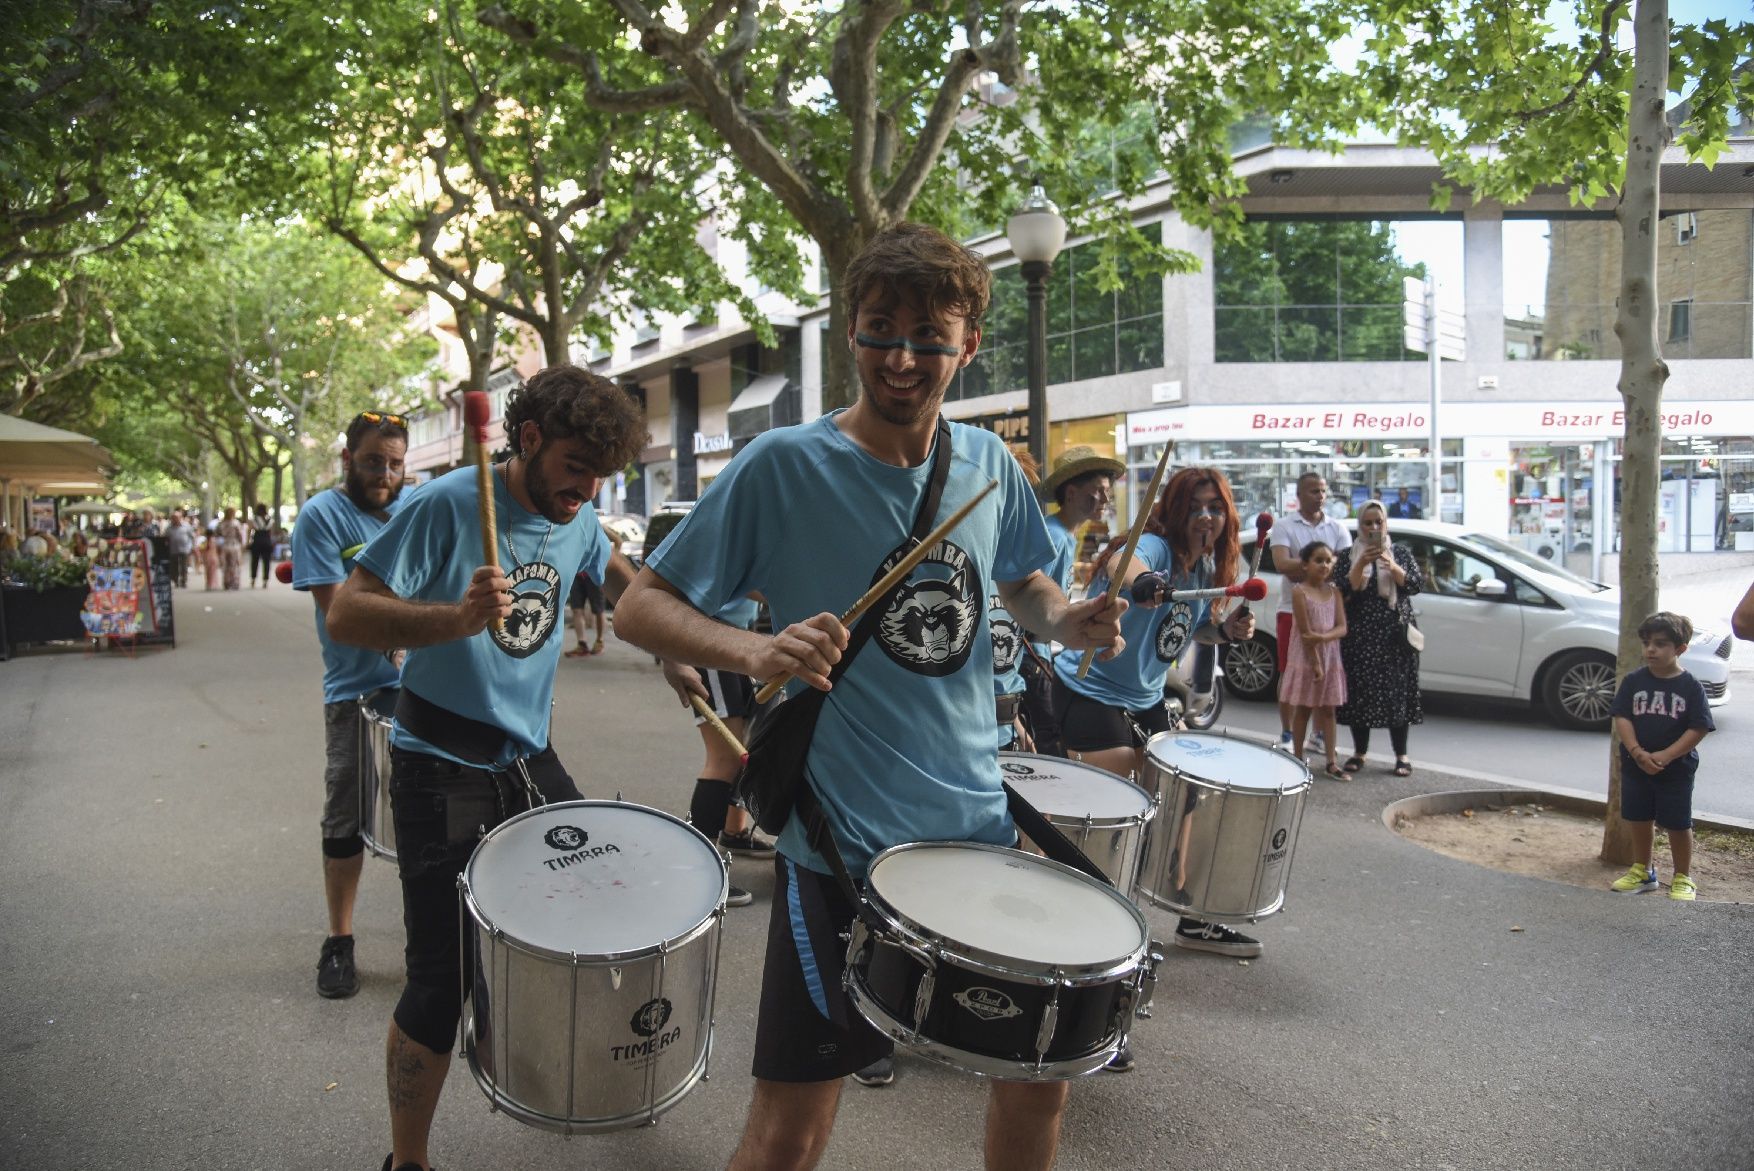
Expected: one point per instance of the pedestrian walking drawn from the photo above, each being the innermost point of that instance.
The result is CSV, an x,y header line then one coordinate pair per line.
x,y
1314,682
210,558
470,739
585,597
180,536
231,549
332,528
1378,579
1660,715
261,545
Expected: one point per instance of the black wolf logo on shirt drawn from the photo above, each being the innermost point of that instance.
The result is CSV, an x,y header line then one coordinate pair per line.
x,y
1172,632
535,597
1007,638
930,627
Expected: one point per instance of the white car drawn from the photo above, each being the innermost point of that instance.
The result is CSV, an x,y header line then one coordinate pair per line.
x,y
1499,621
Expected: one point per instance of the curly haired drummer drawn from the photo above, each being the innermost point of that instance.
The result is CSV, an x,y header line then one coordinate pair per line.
x,y
332,527
1190,542
904,749
470,744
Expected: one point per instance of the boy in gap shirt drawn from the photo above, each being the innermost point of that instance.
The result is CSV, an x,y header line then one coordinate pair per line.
x,y
1660,716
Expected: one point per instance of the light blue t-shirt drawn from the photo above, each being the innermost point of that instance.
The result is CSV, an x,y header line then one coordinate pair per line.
x,y
1155,637
1059,570
429,552
904,750
331,531
739,612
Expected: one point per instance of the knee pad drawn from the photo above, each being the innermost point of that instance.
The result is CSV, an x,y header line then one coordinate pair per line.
x,y
351,846
712,801
429,1014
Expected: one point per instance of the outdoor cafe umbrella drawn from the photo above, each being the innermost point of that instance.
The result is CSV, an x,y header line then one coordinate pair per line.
x,y
32,453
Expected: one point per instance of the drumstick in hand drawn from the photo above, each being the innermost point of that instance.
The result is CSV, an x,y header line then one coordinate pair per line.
x,y
1120,569
476,412
888,581
710,716
1263,532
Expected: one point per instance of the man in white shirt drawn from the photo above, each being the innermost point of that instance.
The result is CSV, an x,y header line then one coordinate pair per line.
x,y
1289,536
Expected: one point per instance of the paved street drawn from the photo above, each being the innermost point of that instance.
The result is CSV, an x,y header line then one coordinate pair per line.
x,y
163,917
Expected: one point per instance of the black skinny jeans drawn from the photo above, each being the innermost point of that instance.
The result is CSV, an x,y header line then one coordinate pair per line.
x,y
1397,737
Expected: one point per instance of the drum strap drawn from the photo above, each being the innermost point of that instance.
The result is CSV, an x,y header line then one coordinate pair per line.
x,y
468,739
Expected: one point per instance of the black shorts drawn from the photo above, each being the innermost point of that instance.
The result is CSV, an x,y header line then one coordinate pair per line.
x,y
808,1030
1088,725
1666,798
585,592
733,695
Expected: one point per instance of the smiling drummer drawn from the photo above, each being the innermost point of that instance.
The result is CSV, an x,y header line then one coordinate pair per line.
x,y
904,749
470,743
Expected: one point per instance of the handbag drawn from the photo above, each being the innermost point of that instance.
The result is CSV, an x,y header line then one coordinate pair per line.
x,y
772,775
1409,629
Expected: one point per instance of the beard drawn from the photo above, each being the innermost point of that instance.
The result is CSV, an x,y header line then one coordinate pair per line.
x,y
548,502
359,487
900,413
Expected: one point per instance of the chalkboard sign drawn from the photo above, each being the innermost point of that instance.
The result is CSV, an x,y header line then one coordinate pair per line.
x,y
163,628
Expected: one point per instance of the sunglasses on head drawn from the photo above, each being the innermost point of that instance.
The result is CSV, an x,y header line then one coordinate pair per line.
x,y
379,418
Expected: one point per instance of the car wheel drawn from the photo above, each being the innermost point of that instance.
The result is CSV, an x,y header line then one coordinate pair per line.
x,y
1579,690
1207,717
1251,668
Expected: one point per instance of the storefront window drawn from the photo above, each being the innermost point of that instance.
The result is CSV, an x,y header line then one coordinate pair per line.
x,y
1705,495
1562,282
1327,290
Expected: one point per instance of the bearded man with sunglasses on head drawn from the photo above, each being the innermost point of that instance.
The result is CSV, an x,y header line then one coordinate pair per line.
x,y
332,527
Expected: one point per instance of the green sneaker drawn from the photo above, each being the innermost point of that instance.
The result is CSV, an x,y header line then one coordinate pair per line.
x,y
1635,881
1681,887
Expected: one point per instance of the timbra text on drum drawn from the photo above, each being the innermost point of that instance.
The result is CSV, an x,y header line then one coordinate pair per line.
x,y
591,943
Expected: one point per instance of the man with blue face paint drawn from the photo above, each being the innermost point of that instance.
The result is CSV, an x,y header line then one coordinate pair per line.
x,y
904,749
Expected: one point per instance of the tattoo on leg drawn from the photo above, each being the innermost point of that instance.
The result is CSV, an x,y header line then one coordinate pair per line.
x,y
408,1063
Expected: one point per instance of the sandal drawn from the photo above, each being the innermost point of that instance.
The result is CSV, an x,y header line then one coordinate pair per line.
x,y
1403,768
577,652
1353,763
1335,772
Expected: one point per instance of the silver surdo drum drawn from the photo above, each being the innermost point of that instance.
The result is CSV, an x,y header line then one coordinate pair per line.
x,y
995,961
1103,815
376,825
594,930
1230,810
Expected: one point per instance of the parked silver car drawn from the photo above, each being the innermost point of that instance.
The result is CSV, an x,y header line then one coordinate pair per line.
x,y
1500,621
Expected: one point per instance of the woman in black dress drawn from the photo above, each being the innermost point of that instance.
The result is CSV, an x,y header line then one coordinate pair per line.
x,y
1377,580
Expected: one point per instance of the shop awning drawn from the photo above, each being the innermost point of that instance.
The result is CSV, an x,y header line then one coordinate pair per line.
x,y
37,455
769,401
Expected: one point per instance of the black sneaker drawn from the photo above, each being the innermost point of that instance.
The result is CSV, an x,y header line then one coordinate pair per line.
x,y
738,897
879,1073
1122,1061
1216,938
400,1167
336,977
745,844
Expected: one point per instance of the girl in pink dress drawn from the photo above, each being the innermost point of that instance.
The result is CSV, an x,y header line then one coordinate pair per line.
x,y
1314,682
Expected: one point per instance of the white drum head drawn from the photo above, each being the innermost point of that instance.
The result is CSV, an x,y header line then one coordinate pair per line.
x,y
1225,760
595,877
1069,788
1008,904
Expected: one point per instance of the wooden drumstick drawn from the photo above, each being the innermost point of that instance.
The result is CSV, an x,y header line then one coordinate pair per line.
x,y
1120,569
710,716
476,412
887,582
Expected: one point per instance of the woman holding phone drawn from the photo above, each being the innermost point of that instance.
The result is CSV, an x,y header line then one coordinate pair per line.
x,y
1377,579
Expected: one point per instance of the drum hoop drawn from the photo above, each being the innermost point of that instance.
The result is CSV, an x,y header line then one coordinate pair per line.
x,y
466,892
1211,783
964,954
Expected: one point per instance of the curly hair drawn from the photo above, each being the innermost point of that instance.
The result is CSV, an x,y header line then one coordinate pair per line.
x,y
918,260
568,402
1166,521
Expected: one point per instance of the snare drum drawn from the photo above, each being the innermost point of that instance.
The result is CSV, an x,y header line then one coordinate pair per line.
x,y
593,928
376,824
1231,809
995,961
1103,815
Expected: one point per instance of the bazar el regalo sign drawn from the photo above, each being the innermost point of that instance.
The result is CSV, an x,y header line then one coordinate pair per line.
x,y
1519,420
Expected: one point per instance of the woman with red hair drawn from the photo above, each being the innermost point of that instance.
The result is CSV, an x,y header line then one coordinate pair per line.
x,y
1190,542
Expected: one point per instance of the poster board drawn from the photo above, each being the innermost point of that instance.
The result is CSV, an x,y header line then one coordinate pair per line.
x,y
112,608
131,591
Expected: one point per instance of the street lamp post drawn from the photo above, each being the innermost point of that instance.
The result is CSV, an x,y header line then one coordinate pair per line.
x,y
1037,232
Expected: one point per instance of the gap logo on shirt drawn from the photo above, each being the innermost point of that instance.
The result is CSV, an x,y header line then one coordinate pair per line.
x,y
535,610
1007,636
1658,703
1172,632
930,627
